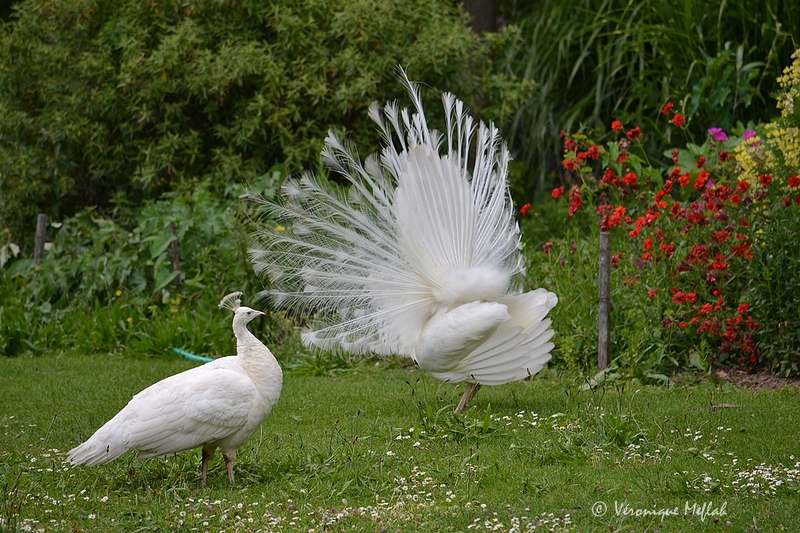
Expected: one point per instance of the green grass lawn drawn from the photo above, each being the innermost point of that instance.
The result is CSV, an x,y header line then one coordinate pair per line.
x,y
376,448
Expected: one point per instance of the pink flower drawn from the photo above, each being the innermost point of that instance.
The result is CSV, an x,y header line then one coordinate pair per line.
x,y
718,134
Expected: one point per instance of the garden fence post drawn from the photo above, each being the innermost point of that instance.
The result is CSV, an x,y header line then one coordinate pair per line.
x,y
604,282
38,247
175,251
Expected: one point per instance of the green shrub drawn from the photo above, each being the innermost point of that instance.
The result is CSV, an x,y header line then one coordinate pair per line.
x,y
102,286
111,103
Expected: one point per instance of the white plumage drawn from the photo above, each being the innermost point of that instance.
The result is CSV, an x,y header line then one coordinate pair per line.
x,y
421,257
217,405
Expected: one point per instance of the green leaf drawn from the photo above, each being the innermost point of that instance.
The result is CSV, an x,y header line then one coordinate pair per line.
x,y
161,242
164,278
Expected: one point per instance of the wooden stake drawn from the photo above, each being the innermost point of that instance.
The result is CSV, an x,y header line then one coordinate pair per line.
x,y
604,282
175,251
41,230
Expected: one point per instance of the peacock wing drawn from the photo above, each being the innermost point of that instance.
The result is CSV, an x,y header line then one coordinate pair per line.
x,y
517,348
188,410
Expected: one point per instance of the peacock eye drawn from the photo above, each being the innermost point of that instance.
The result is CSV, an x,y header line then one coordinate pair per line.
x,y
249,313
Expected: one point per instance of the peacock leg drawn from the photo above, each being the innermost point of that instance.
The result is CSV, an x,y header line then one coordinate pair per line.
x,y
207,456
469,394
229,465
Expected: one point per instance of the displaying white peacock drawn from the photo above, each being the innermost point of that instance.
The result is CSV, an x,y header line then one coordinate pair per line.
x,y
421,256
217,405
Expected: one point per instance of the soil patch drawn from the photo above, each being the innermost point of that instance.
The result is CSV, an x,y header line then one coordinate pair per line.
x,y
758,381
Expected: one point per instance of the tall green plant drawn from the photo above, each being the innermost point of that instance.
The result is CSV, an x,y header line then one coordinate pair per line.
x,y
595,61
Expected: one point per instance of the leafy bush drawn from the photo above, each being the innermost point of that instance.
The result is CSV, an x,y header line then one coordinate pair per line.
x,y
705,262
110,103
124,280
716,59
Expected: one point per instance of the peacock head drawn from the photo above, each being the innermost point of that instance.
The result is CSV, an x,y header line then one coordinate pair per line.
x,y
241,314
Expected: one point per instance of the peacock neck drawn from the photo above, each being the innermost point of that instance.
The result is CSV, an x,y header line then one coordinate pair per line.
x,y
244,339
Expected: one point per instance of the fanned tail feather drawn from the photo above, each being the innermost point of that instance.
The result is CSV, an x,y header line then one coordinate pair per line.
x,y
417,231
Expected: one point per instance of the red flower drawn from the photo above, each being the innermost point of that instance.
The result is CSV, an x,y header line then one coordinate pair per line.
x,y
593,152
648,244
701,180
546,247
667,249
743,308
630,179
666,109
524,209
742,186
765,179
570,164
610,177
682,323
675,153
701,161
706,309
652,293
635,133
678,120
724,156
622,158
558,192
616,125
736,199
575,200
794,182
721,236
570,145
684,179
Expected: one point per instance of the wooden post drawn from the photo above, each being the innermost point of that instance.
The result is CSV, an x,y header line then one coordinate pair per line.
x,y
175,251
604,283
41,230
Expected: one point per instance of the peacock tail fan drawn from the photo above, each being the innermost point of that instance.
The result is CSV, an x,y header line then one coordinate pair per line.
x,y
426,224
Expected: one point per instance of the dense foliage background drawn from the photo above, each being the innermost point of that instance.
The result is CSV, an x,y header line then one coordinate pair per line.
x,y
138,125
112,104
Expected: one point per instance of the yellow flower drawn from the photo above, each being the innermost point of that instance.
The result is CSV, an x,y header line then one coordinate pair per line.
x,y
279,228
119,292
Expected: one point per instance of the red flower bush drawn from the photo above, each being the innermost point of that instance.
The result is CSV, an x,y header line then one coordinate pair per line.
x,y
696,240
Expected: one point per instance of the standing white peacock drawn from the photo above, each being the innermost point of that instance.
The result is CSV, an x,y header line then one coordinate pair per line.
x,y
217,405
421,257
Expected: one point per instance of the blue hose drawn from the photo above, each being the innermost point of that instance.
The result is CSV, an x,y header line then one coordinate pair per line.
x,y
191,356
